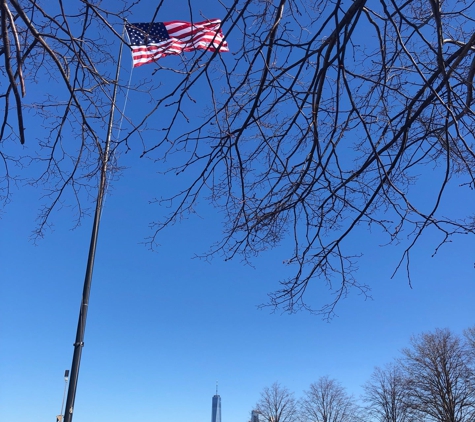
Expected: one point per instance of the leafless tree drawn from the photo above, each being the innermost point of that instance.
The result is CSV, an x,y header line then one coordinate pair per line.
x,y
441,383
340,109
277,404
386,395
327,401
320,125
469,334
56,94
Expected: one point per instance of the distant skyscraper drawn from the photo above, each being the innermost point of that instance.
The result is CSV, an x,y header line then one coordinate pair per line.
x,y
255,416
216,407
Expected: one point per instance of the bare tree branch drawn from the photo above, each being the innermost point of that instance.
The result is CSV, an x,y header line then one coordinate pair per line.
x,y
324,122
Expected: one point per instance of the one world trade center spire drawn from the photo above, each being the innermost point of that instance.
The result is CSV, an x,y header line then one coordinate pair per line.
x,y
216,407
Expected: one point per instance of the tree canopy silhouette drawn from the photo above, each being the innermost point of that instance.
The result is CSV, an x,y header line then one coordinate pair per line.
x,y
322,121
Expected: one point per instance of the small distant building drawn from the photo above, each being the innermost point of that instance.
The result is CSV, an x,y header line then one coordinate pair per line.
x,y
255,416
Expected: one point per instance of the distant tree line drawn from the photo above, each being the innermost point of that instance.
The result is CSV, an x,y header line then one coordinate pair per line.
x,y
432,380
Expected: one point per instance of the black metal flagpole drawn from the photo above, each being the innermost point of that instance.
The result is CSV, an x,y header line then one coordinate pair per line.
x,y
81,328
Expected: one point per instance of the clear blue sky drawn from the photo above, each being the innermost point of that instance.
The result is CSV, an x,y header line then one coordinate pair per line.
x,y
163,327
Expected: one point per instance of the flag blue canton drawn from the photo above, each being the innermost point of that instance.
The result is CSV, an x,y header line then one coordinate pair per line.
x,y
147,33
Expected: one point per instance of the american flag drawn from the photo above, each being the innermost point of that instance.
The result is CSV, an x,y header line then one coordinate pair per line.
x,y
150,41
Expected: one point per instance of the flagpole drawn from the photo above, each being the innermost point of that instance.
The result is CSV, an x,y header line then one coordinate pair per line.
x,y
81,328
